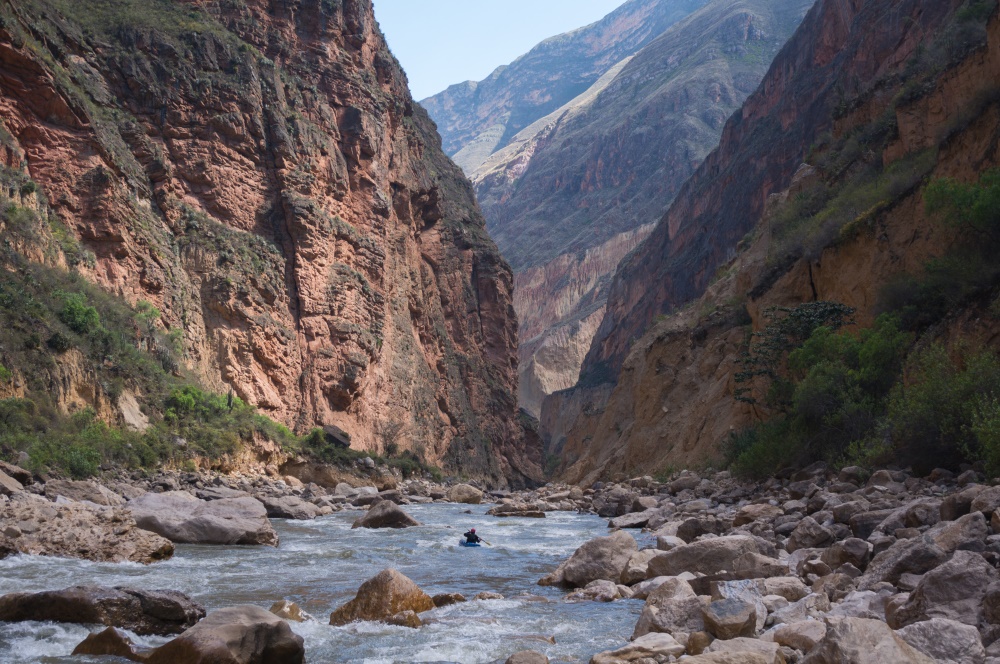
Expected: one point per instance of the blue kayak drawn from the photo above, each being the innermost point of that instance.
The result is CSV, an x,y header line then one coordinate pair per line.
x,y
462,542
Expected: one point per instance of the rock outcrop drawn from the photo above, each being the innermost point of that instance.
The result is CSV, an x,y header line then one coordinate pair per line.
x,y
182,518
159,612
666,384
295,223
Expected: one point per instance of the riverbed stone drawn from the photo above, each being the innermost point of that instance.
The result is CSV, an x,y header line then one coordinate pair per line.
x,y
730,618
527,657
31,525
381,597
158,612
82,491
863,641
600,558
945,640
741,646
954,590
385,514
635,570
672,608
290,507
182,518
915,556
756,512
465,493
289,611
709,556
802,635
648,646
9,485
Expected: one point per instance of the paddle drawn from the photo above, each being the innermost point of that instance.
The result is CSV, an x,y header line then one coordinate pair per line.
x,y
484,541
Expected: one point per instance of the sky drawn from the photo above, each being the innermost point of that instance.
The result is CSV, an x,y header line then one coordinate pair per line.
x,y
442,42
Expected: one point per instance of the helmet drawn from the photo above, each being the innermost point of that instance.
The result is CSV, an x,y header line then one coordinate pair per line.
x,y
472,530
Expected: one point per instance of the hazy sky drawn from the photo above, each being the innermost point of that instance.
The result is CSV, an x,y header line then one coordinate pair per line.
x,y
441,42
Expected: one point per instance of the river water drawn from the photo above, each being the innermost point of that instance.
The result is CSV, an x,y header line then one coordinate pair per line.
x,y
320,565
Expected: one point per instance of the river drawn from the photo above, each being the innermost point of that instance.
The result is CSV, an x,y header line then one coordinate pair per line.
x,y
320,565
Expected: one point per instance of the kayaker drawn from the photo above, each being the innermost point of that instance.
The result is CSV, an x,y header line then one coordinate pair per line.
x,y
471,537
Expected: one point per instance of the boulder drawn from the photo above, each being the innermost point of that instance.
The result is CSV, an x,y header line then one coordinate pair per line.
x,y
408,618
945,641
516,510
596,591
709,556
182,518
385,514
648,646
487,595
20,475
382,597
465,493
635,569
728,658
672,608
8,485
600,558
954,590
852,550
757,512
82,491
967,532
633,519
915,556
802,635
730,618
742,646
447,599
527,657
77,530
960,504
863,641
159,612
986,501
809,534
757,566
236,635
290,507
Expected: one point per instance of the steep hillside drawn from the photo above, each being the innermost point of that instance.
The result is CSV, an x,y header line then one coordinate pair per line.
x,y
476,119
861,171
575,192
257,174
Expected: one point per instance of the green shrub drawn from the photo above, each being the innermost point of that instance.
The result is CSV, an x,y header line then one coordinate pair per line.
x,y
78,315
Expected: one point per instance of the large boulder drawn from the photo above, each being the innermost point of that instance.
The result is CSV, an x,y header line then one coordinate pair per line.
x,y
946,641
709,556
527,657
730,618
600,558
744,646
757,512
863,641
954,591
635,570
672,608
141,611
809,534
290,507
34,526
82,491
237,635
382,597
182,518
465,493
385,514
913,556
8,485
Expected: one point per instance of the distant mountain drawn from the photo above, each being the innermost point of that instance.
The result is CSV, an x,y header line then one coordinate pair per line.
x,y
477,119
574,192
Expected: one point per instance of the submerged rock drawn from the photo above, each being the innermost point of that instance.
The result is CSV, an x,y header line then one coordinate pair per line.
x,y
141,611
382,597
385,514
182,518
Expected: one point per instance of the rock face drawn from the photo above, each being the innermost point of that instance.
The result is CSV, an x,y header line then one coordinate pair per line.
x,y
34,526
237,635
182,518
575,191
141,611
385,514
477,118
634,414
297,223
382,597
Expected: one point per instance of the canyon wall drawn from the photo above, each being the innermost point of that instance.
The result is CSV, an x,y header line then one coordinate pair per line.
x,y
848,73
258,172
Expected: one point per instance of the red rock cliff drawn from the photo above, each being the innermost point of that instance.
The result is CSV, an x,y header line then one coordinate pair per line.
x,y
257,170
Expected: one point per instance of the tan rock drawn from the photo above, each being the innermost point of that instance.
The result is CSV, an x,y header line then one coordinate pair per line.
x,y
465,493
382,597
289,611
385,514
182,518
757,512
705,557
406,618
527,657
730,618
83,490
863,641
672,608
647,646
8,485
742,646
945,640
635,570
802,635
600,558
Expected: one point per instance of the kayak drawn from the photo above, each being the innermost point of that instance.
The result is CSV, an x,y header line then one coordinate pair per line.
x,y
462,542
